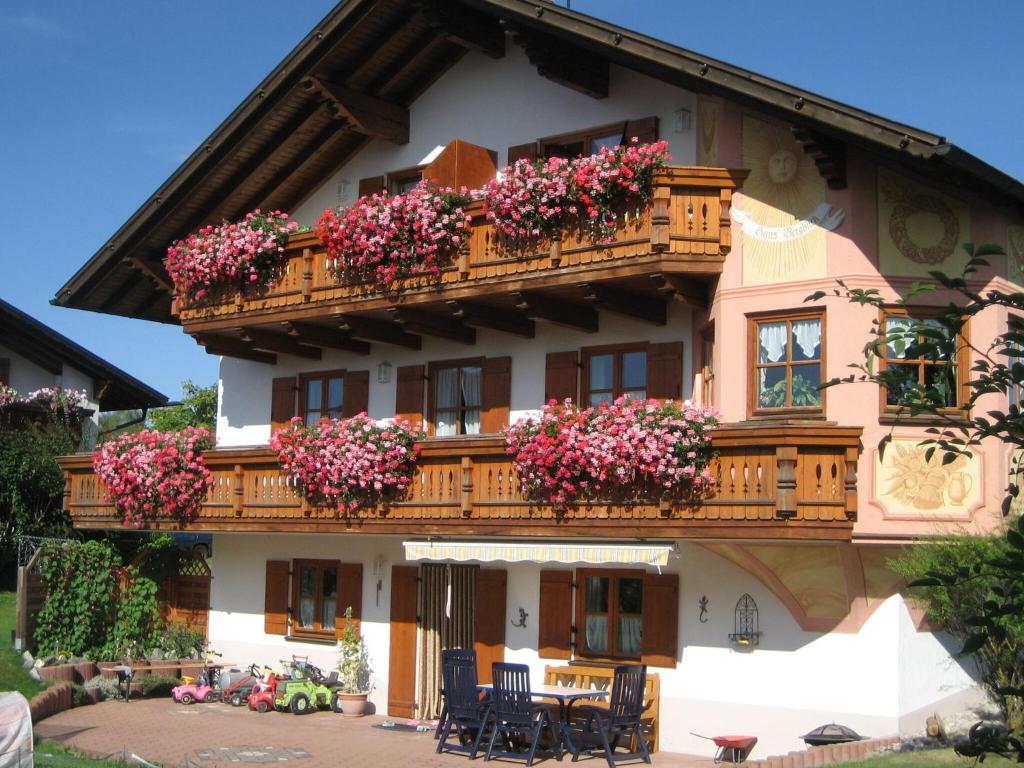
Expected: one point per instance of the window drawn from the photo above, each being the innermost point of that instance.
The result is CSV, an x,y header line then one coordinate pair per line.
x,y
911,371
788,353
456,397
1015,388
322,395
613,372
610,613
401,182
316,596
585,142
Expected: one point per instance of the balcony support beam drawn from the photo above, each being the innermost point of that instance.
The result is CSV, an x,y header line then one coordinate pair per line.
x,y
368,329
276,342
307,333
483,316
539,307
681,289
433,325
647,308
228,347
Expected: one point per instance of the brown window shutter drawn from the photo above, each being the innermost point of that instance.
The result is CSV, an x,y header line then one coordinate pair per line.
x,y
350,593
496,393
409,395
660,619
282,402
665,371
554,639
402,647
5,370
372,185
645,130
522,152
357,393
489,620
561,376
275,601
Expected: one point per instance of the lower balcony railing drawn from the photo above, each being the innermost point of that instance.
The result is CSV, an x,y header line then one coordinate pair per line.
x,y
779,481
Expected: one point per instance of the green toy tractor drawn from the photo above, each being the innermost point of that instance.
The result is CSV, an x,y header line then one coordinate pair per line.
x,y
307,690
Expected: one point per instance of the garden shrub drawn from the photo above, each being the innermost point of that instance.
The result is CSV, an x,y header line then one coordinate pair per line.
x,y
107,685
158,685
180,641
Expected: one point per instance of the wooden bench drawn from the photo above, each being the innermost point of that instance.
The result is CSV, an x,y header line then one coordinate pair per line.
x,y
600,678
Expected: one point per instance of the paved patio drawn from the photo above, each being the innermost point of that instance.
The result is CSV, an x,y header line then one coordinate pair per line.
x,y
209,735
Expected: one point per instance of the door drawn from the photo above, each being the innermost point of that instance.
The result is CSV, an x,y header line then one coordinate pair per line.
x,y
402,656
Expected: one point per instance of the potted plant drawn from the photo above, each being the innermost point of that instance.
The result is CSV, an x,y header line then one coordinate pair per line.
x,y
353,670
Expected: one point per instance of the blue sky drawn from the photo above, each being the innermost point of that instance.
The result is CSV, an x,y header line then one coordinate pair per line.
x,y
102,99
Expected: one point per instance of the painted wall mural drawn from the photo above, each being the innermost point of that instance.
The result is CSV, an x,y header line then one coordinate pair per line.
x,y
1015,252
782,211
709,118
919,229
909,485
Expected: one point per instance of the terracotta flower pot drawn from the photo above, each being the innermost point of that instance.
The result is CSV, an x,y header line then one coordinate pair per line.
x,y
353,704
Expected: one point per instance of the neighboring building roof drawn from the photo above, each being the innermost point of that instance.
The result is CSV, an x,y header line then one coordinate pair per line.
x,y
282,140
29,338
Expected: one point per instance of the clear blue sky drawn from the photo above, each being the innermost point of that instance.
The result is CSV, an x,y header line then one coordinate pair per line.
x,y
102,99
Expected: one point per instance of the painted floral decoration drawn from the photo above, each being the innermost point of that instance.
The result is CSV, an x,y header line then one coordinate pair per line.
x,y
383,238
246,252
615,451
348,463
532,199
152,474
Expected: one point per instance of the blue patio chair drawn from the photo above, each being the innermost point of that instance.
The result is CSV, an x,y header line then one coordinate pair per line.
x,y
464,710
622,717
518,720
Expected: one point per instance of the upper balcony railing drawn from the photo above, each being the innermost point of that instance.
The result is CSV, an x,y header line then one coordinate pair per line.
x,y
685,230
778,481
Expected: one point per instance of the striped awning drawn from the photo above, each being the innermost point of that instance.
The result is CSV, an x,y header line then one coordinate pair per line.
x,y
529,552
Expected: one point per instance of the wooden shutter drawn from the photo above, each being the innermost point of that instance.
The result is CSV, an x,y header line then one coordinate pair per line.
x,y
554,640
522,152
665,371
350,592
660,619
561,376
402,651
282,402
372,185
645,130
357,393
5,370
496,393
275,600
409,395
489,620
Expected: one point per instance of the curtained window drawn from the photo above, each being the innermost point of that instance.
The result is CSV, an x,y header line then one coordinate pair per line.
x,y
613,372
316,598
789,359
322,395
611,605
456,398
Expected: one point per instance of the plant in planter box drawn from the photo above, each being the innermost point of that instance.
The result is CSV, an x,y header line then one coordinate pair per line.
x,y
353,669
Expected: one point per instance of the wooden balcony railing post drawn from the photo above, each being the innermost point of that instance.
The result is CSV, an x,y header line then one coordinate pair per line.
x,y
463,259
239,490
307,274
785,481
725,221
467,486
850,482
556,250
660,219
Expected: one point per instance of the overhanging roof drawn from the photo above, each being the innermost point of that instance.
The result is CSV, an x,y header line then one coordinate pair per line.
x,y
282,141
50,350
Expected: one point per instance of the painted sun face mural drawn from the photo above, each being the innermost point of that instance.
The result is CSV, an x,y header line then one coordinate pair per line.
x,y
909,484
919,229
1015,252
782,211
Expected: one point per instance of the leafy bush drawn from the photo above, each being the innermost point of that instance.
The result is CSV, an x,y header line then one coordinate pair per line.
x,y
180,641
354,662
158,685
107,685
137,616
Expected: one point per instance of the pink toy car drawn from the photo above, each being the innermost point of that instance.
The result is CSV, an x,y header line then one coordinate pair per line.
x,y
191,692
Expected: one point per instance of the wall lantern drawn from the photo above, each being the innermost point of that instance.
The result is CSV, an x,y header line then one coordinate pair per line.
x,y
745,627
384,373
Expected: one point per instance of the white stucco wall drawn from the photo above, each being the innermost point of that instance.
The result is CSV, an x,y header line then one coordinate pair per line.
x,y
245,387
26,377
792,682
501,103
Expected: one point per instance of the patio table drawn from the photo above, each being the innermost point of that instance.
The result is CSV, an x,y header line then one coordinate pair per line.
x,y
566,697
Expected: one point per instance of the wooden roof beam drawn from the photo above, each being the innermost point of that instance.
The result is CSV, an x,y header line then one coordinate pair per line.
x,y
156,276
366,114
646,308
493,318
368,329
276,342
229,347
433,325
828,154
467,27
307,333
538,307
564,63
680,289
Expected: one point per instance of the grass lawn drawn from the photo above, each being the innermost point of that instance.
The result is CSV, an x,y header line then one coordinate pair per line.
x,y
13,677
50,754
925,759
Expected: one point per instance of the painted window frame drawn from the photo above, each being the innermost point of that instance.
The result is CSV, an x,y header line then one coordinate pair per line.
x,y
889,414
617,351
396,180
585,136
433,368
614,576
754,320
325,377
317,632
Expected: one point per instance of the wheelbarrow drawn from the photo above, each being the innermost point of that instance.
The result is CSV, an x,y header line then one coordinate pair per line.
x,y
731,749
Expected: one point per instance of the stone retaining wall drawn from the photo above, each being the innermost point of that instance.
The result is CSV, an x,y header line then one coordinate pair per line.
x,y
832,754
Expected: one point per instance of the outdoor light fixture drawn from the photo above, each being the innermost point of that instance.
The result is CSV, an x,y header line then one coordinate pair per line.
x,y
384,373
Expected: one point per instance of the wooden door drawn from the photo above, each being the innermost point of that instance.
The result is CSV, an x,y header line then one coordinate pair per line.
x,y
489,620
402,664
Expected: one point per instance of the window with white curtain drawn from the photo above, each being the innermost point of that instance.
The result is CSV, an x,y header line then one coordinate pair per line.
x,y
789,358
611,605
316,587
913,371
457,399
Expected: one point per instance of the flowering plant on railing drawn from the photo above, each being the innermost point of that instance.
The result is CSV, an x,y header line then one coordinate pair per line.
x,y
8,395
386,237
629,449
539,198
246,252
152,474
66,403
349,463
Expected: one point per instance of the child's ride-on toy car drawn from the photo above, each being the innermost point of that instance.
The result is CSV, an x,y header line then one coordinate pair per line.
x,y
308,690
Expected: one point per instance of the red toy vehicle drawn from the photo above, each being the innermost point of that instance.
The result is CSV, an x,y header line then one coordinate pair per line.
x,y
263,694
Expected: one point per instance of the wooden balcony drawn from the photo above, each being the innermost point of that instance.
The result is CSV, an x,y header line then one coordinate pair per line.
x,y
670,249
779,481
